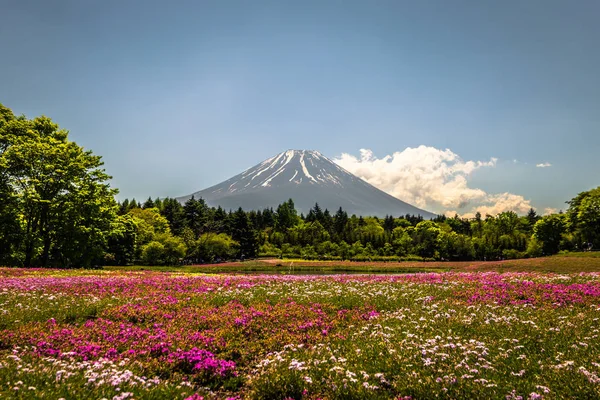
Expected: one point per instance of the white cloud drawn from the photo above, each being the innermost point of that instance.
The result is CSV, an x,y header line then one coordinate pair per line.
x,y
432,179
543,165
494,204
550,210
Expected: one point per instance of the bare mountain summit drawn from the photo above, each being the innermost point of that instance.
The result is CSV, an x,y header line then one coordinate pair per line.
x,y
307,177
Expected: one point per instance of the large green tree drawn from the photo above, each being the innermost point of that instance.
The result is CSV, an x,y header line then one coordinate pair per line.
x,y
58,191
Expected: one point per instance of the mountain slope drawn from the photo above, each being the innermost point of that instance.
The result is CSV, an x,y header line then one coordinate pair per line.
x,y
306,177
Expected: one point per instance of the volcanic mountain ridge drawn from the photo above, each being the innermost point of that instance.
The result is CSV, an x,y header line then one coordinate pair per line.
x,y
307,177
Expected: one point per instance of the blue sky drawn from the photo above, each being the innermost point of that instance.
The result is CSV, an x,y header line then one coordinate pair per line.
x,y
178,96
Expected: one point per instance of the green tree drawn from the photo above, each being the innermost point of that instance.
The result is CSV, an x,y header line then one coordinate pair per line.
x,y
426,238
477,225
149,203
122,241
153,253
244,234
507,222
548,231
196,215
403,242
59,191
309,233
586,214
173,211
212,246
534,248
174,248
454,246
389,223
344,250
370,226
10,228
149,222
327,221
286,216
357,249
532,217
328,248
340,220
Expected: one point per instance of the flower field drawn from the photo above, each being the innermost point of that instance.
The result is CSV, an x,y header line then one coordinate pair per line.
x,y
125,335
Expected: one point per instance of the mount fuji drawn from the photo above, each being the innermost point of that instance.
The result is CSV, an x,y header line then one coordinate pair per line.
x,y
307,177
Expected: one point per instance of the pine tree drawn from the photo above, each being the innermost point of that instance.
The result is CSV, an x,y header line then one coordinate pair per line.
x,y
327,221
388,223
268,218
148,203
133,204
222,218
532,217
339,222
195,214
311,216
173,211
244,234
124,207
318,213
287,216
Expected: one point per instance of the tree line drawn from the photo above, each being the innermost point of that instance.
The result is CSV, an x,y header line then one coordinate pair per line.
x,y
57,209
208,234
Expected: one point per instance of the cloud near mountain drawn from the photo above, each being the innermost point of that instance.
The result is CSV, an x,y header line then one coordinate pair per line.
x,y
432,179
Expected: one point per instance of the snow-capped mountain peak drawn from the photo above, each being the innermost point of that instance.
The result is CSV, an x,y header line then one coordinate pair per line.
x,y
292,166
307,177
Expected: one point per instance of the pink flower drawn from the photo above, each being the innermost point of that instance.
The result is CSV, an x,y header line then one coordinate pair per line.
x,y
195,396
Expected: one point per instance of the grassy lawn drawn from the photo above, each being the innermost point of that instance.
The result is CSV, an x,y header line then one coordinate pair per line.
x,y
564,263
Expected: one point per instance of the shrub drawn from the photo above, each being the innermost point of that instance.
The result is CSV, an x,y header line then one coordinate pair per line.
x,y
153,253
534,248
512,254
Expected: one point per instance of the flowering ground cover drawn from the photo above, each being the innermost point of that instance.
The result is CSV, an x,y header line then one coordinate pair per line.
x,y
124,335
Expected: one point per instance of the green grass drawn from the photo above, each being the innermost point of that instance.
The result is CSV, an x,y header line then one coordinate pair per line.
x,y
251,267
581,254
563,263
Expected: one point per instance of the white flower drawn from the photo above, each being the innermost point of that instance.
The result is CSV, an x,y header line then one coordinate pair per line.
x,y
543,388
297,365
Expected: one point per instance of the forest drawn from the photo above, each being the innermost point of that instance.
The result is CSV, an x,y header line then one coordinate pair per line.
x,y
57,209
